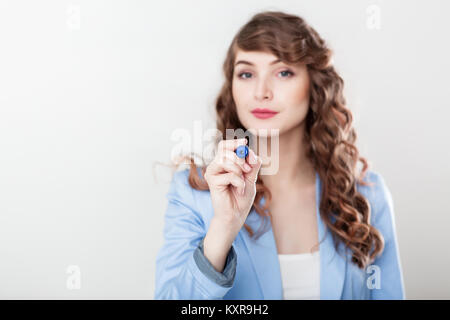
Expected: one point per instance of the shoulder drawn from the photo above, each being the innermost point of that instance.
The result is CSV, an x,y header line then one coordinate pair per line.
x,y
180,186
180,178
183,208
181,191
180,181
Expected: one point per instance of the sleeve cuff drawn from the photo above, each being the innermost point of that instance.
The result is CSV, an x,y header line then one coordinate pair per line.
x,y
226,278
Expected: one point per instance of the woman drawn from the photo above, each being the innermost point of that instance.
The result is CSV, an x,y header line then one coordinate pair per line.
x,y
328,228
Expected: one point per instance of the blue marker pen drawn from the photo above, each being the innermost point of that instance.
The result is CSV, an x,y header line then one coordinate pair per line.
x,y
242,151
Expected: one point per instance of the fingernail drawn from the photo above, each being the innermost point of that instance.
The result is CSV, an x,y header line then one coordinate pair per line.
x,y
247,167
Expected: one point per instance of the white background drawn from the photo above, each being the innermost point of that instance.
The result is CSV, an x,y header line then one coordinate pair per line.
x,y
91,91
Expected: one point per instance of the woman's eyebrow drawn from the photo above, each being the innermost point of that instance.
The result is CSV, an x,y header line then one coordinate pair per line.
x,y
251,64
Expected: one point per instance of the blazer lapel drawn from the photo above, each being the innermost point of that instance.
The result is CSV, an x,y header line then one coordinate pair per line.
x,y
264,256
332,265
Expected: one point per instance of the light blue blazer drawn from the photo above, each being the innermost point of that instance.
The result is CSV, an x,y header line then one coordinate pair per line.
x,y
257,276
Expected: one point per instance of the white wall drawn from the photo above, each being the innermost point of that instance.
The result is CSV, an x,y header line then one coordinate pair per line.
x,y
91,91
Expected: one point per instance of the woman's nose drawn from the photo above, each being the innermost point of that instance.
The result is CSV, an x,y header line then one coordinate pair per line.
x,y
263,90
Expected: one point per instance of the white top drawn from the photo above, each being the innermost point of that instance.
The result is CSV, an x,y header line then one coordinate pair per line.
x,y
300,275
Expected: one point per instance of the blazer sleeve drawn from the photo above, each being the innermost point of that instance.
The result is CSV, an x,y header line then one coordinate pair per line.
x,y
224,278
388,264
182,271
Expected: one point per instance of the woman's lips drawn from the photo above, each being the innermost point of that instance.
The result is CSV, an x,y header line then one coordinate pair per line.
x,y
263,113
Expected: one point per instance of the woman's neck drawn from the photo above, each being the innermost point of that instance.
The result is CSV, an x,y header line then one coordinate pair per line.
x,y
295,170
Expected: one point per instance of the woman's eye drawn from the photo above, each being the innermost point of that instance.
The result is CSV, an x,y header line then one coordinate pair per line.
x,y
241,74
288,72
285,74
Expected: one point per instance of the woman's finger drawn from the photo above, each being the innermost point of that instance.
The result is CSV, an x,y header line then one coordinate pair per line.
x,y
232,156
230,144
226,179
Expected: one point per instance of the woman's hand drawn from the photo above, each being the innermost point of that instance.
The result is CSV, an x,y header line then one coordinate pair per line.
x,y
232,183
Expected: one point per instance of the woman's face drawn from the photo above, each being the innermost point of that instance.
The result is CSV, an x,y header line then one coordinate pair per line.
x,y
261,81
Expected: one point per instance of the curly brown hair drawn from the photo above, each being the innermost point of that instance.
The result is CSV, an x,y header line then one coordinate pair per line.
x,y
328,131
